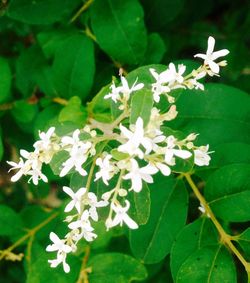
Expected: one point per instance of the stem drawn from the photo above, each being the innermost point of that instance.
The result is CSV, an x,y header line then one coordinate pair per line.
x,y
89,33
117,187
225,238
60,100
81,10
30,233
83,276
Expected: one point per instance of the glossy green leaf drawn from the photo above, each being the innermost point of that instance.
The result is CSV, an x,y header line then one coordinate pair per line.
x,y
140,205
52,39
23,111
119,29
28,66
228,192
141,105
192,237
153,241
10,221
114,268
46,118
74,67
160,12
229,153
142,74
212,112
40,12
45,82
99,107
155,50
225,154
210,264
74,112
57,161
244,241
5,79
39,271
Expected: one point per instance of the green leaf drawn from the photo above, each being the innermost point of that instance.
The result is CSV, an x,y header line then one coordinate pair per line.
x,y
141,105
5,79
142,74
118,155
45,82
140,205
228,192
10,221
39,270
34,215
57,161
50,40
73,112
46,118
214,111
74,67
244,241
211,264
153,241
229,153
23,111
160,12
119,29
40,12
155,50
192,237
100,108
225,154
114,268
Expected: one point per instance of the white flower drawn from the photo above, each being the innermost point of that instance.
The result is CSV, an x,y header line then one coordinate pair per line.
x,y
174,75
137,174
76,198
114,94
201,157
107,170
84,224
73,141
32,166
23,170
135,139
165,170
170,151
121,216
58,244
62,251
123,89
192,83
159,86
61,258
126,91
36,175
45,140
78,155
210,55
91,200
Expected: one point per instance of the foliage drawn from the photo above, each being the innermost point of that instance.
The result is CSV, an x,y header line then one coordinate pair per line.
x,y
58,61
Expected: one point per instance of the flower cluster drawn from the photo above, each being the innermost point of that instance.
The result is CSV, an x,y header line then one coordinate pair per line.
x,y
139,151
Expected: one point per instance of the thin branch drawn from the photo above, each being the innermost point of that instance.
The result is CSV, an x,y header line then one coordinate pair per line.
x,y
225,238
81,10
83,275
30,233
